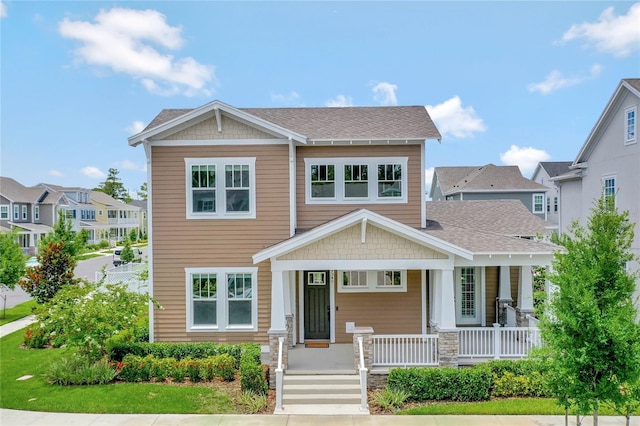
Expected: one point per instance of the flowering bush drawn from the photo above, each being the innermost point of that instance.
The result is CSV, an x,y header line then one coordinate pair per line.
x,y
85,316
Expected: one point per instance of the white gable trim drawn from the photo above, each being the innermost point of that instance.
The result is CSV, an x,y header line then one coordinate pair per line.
x,y
215,108
351,219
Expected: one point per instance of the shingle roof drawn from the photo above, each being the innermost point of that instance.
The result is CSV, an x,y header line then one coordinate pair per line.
x,y
108,200
454,180
19,193
357,123
556,168
634,82
506,217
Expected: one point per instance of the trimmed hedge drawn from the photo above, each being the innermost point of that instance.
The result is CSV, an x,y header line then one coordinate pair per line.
x,y
438,384
523,378
252,375
134,368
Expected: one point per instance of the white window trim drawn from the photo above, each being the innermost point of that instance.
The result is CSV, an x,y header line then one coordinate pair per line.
x,y
25,210
479,288
627,110
533,203
220,188
222,300
615,188
36,212
16,212
372,163
5,208
372,283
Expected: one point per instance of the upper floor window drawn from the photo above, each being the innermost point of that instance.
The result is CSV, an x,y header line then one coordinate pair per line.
x,y
356,180
555,204
222,188
538,203
630,124
16,212
36,213
24,212
609,191
4,212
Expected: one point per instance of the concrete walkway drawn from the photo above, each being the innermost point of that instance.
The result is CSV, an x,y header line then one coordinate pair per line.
x,y
28,418
16,325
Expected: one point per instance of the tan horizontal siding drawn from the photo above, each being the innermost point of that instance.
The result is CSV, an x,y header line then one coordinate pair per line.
x,y
515,281
179,243
387,313
310,216
491,276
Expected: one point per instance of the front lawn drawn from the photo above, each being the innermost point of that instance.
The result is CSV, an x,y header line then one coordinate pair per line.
x,y
19,311
35,394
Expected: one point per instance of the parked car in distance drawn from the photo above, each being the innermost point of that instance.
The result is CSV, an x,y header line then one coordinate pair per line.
x,y
32,262
137,256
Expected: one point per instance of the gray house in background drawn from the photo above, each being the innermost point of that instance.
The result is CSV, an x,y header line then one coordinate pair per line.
x,y
608,163
489,182
542,175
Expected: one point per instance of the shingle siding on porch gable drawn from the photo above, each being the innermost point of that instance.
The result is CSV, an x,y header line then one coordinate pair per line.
x,y
208,129
347,245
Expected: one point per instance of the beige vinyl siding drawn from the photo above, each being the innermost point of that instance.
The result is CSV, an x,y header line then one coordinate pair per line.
x,y
491,277
386,312
179,243
515,279
310,216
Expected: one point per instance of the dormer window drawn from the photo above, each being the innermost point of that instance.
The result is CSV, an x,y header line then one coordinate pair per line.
x,y
630,125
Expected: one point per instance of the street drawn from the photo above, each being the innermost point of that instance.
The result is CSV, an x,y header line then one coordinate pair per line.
x,y
85,269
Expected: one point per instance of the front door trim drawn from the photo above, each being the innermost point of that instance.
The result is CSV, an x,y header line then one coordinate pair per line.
x,y
332,301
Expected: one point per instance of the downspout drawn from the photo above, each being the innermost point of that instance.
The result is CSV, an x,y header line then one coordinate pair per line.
x,y
147,151
292,188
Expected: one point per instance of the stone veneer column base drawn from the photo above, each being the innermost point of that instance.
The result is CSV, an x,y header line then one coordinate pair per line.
x,y
289,319
448,347
367,346
274,336
521,317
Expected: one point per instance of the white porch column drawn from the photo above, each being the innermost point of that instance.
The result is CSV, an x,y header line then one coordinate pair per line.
x,y
278,322
447,301
436,297
525,289
505,284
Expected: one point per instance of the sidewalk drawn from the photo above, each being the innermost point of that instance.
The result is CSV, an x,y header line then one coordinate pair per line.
x,y
28,418
16,325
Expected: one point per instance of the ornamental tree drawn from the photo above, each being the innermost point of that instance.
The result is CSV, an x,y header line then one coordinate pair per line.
x,y
55,271
591,330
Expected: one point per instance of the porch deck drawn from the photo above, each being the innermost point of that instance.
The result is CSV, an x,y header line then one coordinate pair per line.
x,y
336,359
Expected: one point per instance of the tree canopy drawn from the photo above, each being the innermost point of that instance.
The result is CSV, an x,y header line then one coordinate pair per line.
x,y
113,186
11,259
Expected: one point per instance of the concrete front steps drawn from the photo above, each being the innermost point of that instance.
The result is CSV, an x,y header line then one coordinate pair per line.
x,y
321,394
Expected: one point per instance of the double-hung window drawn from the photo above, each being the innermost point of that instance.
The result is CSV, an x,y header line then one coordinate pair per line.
x,y
538,203
356,180
16,212
222,188
630,124
609,191
24,212
36,213
4,212
221,299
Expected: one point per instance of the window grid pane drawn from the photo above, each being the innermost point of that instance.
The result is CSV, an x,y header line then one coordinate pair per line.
x,y
323,181
467,293
240,294
203,184
389,180
631,125
354,279
610,192
389,279
237,187
356,184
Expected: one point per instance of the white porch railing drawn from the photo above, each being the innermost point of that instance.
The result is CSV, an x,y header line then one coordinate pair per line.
x,y
279,377
497,342
128,274
362,370
401,350
511,316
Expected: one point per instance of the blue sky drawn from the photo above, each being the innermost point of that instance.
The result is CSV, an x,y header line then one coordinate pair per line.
x,y
505,82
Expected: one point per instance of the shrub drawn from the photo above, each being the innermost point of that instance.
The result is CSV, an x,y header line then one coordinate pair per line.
x,y
79,370
136,368
466,384
510,385
252,376
222,366
194,350
252,402
390,399
162,368
35,338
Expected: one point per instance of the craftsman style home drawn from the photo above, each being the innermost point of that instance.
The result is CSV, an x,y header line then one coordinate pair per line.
x,y
311,225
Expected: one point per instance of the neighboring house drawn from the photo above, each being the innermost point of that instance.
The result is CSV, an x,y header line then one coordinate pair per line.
x,y
312,224
114,218
77,209
30,211
489,182
545,170
607,164
144,223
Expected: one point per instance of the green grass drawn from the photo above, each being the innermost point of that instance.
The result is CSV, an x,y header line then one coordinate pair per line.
x,y
36,394
88,256
510,406
19,311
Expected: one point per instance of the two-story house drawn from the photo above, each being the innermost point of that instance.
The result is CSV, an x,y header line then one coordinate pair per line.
x,y
311,224
608,163
489,182
30,211
545,170
114,219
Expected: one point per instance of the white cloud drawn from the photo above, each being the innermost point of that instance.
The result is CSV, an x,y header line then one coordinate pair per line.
x,y
340,101
93,172
616,35
525,158
130,165
555,80
3,10
385,94
290,98
135,127
56,173
126,41
453,119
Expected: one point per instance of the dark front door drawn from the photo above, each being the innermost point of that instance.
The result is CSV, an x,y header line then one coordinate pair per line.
x,y
317,305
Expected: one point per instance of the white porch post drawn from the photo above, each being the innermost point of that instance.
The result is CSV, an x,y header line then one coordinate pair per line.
x,y
278,328
278,321
448,338
504,294
525,295
448,304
